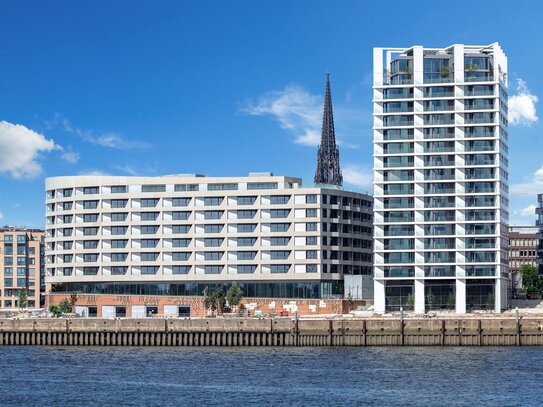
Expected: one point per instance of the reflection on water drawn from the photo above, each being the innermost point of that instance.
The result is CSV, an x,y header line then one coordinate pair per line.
x,y
39,376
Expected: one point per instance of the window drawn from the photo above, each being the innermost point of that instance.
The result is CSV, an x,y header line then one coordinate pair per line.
x,y
279,199
149,203
90,204
180,229
118,189
67,218
279,241
311,199
119,203
145,243
246,200
262,185
246,269
246,214
279,227
90,271
149,230
279,213
91,190
180,242
119,256
146,216
21,250
119,270
90,231
180,201
279,268
67,192
180,215
21,239
89,258
153,188
213,255
118,217
67,231
213,242
279,254
246,255
66,206
311,254
311,227
120,312
222,187
8,282
310,213
90,244
21,282
213,228
311,268
246,227
213,201
8,271
118,230
8,239
148,256
119,244
246,241
213,269
8,249
181,256
213,214
311,240
21,271
21,261
186,187
90,217
149,269
180,269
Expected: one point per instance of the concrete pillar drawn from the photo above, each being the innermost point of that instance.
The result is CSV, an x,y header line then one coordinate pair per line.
x,y
498,296
379,296
419,297
460,296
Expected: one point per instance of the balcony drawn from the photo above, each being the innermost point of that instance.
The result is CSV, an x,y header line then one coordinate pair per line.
x,y
480,173
445,271
480,271
398,107
480,131
479,104
438,119
439,92
438,78
441,132
438,105
390,121
479,118
398,134
479,90
470,76
398,148
479,145
398,93
399,272
438,162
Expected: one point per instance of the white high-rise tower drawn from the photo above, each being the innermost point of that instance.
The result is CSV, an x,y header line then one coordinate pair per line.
x,y
441,168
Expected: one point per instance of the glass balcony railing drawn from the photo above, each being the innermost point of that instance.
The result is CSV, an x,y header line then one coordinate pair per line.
x,y
398,107
480,201
441,132
432,148
478,76
438,217
480,271
445,271
439,202
479,146
480,257
479,90
438,162
398,203
480,131
399,244
398,93
438,78
480,215
479,118
438,119
439,244
398,134
439,257
399,231
398,121
479,173
480,229
478,104
439,230
397,217
391,258
472,243
438,92
399,272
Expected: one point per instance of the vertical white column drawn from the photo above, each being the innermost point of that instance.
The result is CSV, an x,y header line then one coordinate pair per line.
x,y
498,295
379,296
419,297
460,296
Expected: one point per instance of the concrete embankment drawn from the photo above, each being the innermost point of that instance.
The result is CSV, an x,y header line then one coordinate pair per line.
x,y
492,331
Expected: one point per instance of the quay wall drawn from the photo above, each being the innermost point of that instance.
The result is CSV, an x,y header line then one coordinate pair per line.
x,y
491,331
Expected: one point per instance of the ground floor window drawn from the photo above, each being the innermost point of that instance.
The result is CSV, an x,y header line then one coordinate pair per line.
x,y
480,294
120,312
440,294
399,293
150,311
184,311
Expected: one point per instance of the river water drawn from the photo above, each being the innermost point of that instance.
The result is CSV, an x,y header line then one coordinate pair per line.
x,y
93,376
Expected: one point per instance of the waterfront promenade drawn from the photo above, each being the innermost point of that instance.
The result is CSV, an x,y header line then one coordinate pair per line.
x,y
473,330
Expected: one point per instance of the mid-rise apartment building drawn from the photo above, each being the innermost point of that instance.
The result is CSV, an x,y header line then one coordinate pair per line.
x,y
183,235
523,243
440,186
539,225
21,266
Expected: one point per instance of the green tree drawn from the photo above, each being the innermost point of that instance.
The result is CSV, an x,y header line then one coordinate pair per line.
x,y
62,308
23,298
215,301
72,301
430,299
531,282
410,300
451,300
234,294
490,299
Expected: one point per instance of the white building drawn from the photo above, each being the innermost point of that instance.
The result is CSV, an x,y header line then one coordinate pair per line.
x,y
440,188
179,234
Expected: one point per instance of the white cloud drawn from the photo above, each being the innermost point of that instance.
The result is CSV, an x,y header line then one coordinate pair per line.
x,y
20,150
358,176
528,211
522,110
109,140
535,185
71,157
296,110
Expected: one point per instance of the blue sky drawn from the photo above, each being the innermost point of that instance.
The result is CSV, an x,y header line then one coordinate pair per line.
x,y
227,87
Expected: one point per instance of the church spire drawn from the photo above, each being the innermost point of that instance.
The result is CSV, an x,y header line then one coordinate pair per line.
x,y
328,171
